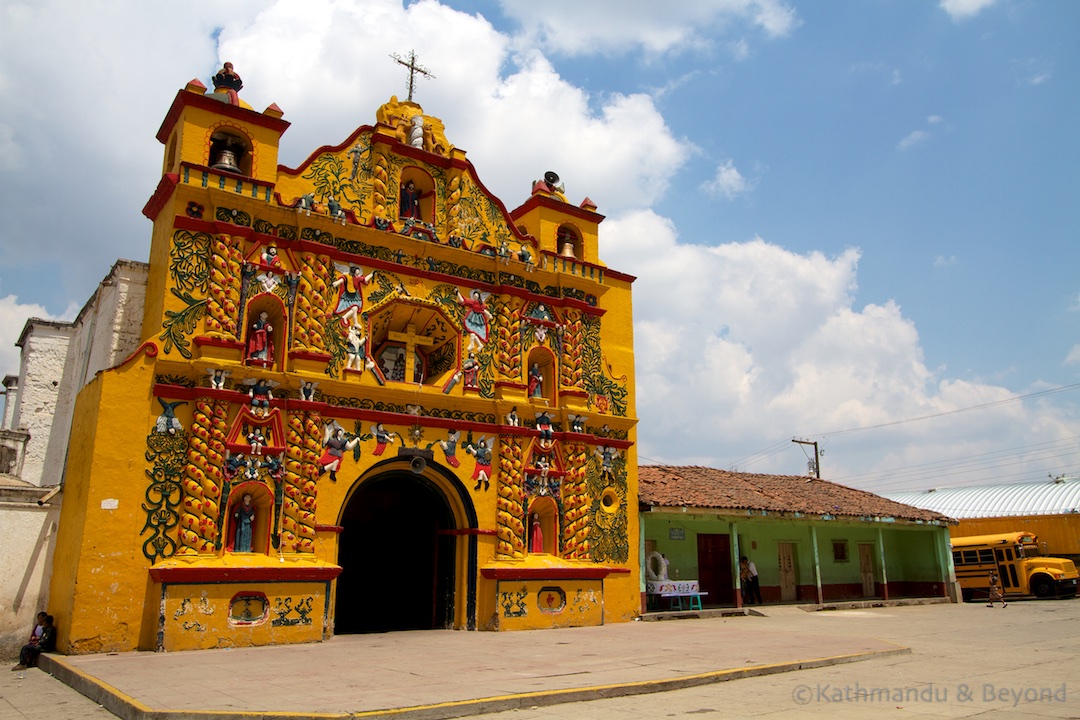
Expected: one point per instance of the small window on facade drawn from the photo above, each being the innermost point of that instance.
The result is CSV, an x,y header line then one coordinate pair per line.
x,y
839,551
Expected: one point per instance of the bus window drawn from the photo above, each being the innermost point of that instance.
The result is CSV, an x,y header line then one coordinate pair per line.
x,y
986,555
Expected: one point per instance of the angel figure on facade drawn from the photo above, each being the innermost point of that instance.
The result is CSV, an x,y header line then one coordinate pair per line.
x,y
307,390
383,437
477,317
607,456
217,377
354,349
350,289
482,452
261,393
335,442
449,447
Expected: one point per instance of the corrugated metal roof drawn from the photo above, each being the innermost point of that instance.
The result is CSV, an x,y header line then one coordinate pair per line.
x,y
1053,497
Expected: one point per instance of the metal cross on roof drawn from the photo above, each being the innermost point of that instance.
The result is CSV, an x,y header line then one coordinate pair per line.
x,y
413,70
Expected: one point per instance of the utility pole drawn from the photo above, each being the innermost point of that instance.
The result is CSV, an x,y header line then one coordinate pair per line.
x,y
817,455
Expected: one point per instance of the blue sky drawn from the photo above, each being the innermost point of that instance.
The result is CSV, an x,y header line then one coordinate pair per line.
x,y
842,214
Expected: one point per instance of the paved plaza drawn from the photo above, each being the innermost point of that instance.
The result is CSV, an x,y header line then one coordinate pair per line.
x,y
921,661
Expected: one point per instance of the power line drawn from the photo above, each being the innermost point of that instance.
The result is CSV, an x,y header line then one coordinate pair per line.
x,y
1016,398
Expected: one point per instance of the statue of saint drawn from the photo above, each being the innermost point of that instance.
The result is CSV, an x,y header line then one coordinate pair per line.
x,y
244,516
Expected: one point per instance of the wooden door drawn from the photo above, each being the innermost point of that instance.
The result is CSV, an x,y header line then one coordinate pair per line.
x,y
714,569
789,572
866,569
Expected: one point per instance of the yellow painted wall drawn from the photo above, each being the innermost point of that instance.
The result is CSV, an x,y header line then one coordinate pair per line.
x,y
1058,534
146,517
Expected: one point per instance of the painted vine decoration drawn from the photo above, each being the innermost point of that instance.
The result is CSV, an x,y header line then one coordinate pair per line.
x,y
179,324
441,359
166,452
178,380
608,530
330,180
510,505
223,301
189,260
576,523
282,230
606,394
232,215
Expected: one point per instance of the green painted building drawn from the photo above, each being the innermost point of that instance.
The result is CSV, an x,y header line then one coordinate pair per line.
x,y
810,540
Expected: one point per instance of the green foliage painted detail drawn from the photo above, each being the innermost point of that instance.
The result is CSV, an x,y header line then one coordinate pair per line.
x,y
606,393
285,232
189,260
608,537
166,452
179,324
232,215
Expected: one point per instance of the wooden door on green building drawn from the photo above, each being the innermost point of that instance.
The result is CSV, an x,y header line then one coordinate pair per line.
x,y
789,573
714,569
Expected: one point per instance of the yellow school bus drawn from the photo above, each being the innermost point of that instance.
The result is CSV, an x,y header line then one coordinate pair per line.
x,y
1016,558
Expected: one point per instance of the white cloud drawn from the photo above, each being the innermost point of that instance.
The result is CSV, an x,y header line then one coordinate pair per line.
x,y
617,26
13,317
942,261
745,341
963,9
1073,358
728,181
916,137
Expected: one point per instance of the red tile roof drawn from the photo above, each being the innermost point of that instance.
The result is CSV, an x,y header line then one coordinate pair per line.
x,y
702,487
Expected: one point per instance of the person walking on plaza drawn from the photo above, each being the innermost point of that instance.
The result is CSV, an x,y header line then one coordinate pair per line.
x,y
995,590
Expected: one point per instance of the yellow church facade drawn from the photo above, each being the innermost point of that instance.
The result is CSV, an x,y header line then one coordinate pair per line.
x,y
368,397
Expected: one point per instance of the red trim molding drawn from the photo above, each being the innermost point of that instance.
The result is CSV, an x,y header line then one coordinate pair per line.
x,y
596,572
273,573
466,531
161,194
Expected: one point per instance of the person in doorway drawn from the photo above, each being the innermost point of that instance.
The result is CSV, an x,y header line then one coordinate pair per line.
x,y
995,590
750,581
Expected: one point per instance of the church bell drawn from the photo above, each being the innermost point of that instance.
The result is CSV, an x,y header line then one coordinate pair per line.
x,y
567,250
225,160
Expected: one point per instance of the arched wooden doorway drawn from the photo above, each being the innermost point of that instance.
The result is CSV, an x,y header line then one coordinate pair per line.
x,y
400,556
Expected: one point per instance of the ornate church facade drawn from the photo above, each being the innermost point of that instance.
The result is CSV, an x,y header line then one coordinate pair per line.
x,y
366,397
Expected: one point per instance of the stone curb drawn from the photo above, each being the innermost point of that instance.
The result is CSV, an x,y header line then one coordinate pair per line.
x,y
128,708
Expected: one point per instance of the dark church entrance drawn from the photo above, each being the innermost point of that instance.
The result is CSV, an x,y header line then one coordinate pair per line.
x,y
397,568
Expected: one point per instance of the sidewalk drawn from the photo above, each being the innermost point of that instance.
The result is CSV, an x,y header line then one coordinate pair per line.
x,y
435,673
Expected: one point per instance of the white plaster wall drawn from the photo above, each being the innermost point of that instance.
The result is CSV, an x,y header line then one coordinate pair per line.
x,y
44,356
11,398
27,535
58,359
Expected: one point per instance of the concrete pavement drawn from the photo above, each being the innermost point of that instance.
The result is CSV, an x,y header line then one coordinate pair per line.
x,y
630,670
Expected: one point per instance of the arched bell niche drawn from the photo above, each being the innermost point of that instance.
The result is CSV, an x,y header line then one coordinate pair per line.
x,y
568,242
230,151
